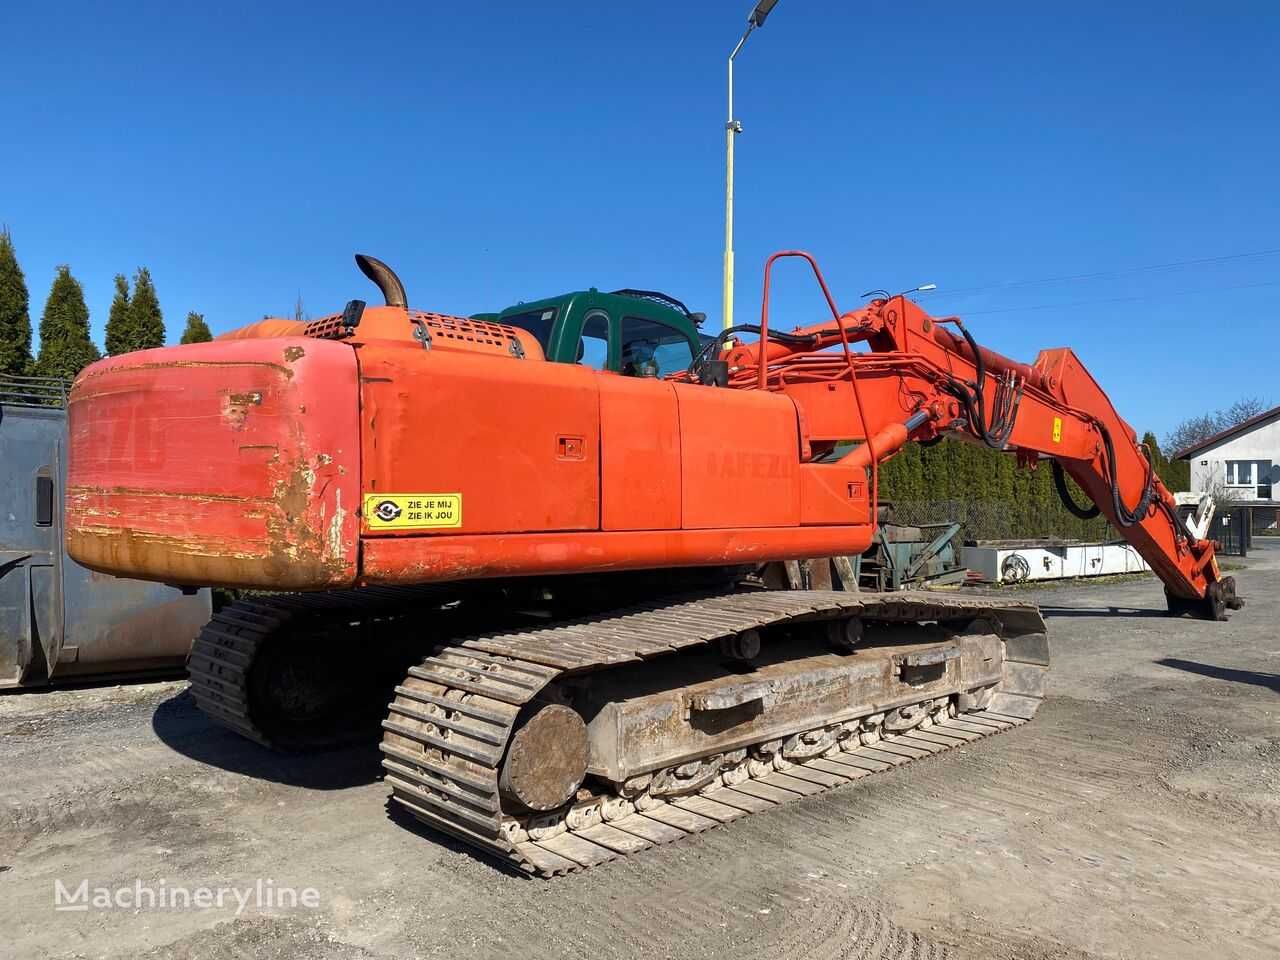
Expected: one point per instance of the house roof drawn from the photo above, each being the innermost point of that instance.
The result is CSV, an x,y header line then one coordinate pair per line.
x,y
1244,426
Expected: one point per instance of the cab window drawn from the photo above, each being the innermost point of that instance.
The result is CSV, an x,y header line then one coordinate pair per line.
x,y
540,323
593,347
653,349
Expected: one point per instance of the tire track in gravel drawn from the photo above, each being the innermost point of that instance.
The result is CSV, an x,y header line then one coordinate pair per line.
x,y
772,875
102,779
800,919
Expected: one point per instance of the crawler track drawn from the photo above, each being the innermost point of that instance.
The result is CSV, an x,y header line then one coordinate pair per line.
x,y
222,656
448,729
228,651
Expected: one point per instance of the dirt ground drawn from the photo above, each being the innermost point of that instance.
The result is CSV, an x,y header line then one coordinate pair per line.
x,y
1137,816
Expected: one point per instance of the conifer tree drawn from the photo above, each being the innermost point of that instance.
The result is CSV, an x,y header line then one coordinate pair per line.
x,y
65,346
992,495
893,476
197,331
1176,474
146,322
1001,482
15,318
120,320
913,485
934,472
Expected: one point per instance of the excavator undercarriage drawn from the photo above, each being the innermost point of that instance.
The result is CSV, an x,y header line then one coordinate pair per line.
x,y
560,747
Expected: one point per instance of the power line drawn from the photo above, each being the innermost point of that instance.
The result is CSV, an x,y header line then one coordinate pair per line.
x,y
1151,296
1106,274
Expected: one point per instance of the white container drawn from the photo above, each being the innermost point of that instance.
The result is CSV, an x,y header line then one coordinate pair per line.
x,y
1016,563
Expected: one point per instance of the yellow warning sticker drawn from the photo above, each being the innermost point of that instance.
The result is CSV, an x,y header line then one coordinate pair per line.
x,y
412,511
1057,429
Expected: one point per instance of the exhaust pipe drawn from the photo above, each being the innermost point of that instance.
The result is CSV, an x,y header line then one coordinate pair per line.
x,y
384,278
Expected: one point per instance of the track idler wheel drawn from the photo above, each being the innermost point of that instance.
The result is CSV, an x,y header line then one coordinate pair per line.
x,y
547,759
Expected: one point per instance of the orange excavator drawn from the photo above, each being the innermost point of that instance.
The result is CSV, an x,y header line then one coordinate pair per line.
x,y
592,556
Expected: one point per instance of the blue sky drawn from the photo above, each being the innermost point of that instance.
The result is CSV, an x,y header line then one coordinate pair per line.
x,y
494,152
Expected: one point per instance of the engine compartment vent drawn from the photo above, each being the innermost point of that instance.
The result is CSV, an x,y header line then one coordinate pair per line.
x,y
459,330
326,328
442,332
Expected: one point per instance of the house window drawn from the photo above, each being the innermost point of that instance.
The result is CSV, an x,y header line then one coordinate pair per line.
x,y
1257,476
1239,473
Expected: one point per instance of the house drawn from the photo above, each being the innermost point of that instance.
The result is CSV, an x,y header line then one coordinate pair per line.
x,y
1241,463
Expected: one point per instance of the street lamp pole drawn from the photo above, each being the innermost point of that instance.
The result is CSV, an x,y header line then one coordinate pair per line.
x,y
731,129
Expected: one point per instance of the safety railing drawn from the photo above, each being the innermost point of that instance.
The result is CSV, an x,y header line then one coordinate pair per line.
x,y
34,391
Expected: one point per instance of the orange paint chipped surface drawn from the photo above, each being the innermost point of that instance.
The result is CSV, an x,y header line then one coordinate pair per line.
x,y
195,464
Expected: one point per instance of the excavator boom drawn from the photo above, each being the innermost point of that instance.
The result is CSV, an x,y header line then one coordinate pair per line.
x,y
918,380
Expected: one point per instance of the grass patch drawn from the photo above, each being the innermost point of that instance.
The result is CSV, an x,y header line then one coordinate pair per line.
x,y
1076,581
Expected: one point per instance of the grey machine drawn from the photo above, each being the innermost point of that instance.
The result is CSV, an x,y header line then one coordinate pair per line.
x,y
910,557
58,621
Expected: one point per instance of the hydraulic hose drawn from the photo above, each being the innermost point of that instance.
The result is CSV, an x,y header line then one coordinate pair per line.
x,y
713,347
1064,494
996,434
1124,516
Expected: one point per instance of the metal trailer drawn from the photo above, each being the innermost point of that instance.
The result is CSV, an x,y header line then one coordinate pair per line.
x,y
910,558
60,622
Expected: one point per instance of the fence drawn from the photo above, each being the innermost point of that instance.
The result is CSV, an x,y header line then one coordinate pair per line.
x,y
34,391
1233,527
993,520
1233,531
1265,521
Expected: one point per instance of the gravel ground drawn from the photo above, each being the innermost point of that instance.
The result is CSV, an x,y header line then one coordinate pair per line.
x,y
1137,816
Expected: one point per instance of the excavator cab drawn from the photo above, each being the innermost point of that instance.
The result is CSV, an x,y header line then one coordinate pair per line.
x,y
637,333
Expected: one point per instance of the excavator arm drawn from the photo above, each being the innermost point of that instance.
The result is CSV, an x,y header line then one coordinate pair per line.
x,y
914,377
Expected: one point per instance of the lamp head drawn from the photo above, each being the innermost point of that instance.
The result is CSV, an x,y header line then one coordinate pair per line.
x,y
761,12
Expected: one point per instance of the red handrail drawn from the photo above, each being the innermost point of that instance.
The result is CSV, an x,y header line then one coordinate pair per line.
x,y
764,310
762,353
